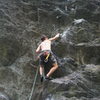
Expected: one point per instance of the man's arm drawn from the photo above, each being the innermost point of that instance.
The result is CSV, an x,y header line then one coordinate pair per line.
x,y
38,49
55,37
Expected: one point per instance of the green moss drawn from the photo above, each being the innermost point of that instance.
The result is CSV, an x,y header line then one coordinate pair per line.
x,y
3,50
10,50
3,53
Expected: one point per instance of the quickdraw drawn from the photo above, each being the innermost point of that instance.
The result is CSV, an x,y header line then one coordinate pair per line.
x,y
46,59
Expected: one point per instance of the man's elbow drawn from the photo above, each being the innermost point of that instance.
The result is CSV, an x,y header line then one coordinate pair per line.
x,y
37,51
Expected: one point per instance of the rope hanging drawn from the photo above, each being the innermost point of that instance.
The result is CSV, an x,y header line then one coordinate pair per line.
x,y
33,87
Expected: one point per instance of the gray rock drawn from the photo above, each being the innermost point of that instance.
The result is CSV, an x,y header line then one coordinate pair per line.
x,y
4,97
69,87
22,22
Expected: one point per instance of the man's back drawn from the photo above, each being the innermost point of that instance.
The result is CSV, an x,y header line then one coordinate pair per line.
x,y
45,45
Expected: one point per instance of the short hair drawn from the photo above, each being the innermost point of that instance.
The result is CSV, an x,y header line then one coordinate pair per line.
x,y
43,37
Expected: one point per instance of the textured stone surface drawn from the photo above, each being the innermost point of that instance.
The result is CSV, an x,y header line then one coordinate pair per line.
x,y
73,86
22,22
3,96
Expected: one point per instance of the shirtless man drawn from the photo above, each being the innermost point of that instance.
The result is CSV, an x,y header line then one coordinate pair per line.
x,y
46,55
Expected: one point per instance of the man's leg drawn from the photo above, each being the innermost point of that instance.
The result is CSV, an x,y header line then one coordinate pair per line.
x,y
55,66
41,72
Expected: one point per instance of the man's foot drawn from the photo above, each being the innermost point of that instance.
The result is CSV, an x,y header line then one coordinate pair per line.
x,y
42,78
48,78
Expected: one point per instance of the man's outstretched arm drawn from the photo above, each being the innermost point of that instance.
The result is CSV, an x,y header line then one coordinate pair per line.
x,y
55,37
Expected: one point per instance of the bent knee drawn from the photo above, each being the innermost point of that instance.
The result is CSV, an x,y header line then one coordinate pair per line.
x,y
55,65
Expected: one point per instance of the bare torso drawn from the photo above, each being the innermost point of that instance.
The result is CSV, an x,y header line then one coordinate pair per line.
x,y
45,45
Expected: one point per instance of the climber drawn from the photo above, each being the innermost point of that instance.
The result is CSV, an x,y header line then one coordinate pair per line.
x,y
46,55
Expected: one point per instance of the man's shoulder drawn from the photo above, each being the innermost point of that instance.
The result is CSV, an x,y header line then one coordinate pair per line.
x,y
45,41
48,40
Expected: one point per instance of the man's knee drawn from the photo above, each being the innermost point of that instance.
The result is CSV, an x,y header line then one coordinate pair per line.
x,y
55,65
41,66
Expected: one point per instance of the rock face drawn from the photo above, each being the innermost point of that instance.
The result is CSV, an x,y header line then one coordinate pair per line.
x,y
4,97
81,85
22,22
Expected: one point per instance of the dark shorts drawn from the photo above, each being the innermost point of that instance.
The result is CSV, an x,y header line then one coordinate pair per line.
x,y
51,59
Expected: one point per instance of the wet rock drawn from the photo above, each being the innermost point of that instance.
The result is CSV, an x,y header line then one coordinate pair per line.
x,y
73,85
77,41
88,52
78,21
4,97
92,72
80,31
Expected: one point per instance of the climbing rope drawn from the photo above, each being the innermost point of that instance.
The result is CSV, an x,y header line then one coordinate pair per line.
x,y
33,87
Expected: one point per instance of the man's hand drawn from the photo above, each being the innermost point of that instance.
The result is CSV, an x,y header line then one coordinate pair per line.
x,y
57,35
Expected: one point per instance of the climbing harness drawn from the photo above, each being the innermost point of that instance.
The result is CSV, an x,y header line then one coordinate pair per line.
x,y
33,87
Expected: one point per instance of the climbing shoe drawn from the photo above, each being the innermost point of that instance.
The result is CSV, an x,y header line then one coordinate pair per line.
x,y
48,78
42,78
